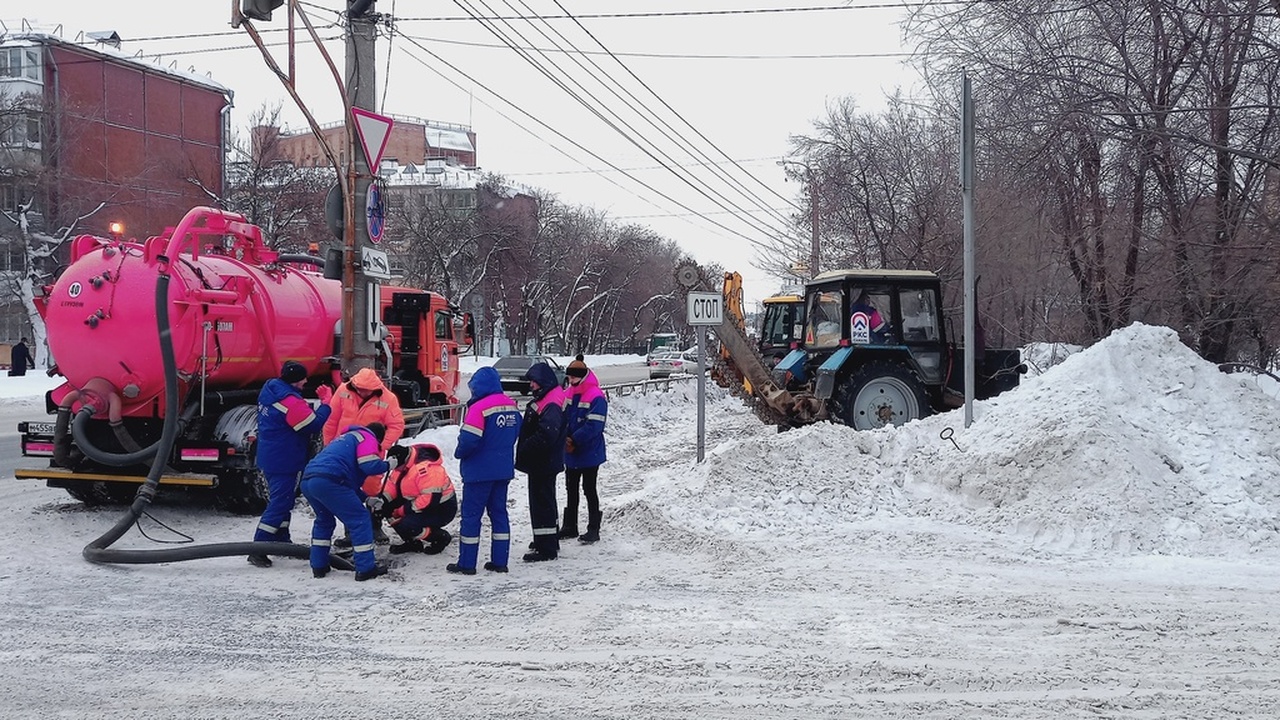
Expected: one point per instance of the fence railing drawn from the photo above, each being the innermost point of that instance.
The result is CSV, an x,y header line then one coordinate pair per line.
x,y
436,416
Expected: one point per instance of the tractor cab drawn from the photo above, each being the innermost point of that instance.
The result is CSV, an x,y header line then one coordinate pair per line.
x,y
873,345
781,325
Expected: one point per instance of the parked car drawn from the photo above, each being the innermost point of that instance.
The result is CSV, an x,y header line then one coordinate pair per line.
x,y
666,363
511,370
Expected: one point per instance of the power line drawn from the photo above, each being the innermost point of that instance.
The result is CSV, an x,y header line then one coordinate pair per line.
x,y
413,41
702,13
681,56
654,93
594,171
630,133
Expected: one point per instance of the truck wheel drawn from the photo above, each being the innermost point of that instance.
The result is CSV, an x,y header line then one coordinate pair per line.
x,y
103,493
879,394
244,492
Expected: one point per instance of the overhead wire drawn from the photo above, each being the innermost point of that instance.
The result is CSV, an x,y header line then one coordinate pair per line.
x,y
711,13
677,114
632,136
413,41
666,128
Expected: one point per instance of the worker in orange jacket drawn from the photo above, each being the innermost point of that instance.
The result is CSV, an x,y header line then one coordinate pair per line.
x,y
360,401
418,499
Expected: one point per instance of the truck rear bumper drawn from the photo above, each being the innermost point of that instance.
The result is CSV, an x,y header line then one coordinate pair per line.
x,y
57,477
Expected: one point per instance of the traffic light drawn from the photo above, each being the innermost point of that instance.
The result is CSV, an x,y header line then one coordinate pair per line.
x,y
259,9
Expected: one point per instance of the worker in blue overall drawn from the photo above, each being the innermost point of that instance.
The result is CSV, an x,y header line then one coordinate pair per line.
x,y
331,483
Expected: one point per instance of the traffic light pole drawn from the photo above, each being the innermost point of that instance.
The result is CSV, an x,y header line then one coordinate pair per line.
x,y
357,348
359,90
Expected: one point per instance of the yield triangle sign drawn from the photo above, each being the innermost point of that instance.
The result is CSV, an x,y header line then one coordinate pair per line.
x,y
373,131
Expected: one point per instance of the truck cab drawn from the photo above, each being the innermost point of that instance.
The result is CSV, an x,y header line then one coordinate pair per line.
x,y
427,334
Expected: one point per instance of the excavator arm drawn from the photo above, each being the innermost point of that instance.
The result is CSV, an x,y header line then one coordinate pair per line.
x,y
744,365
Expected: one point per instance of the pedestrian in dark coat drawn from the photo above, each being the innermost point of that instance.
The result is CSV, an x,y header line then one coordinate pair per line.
x,y
586,410
486,447
540,454
331,483
20,359
286,423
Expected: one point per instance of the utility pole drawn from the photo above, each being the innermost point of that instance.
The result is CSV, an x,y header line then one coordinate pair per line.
x,y
361,84
359,89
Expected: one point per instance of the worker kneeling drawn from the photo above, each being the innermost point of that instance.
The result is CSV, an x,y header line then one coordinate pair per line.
x,y
418,500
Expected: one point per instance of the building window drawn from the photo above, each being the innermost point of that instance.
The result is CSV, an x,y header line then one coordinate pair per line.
x,y
18,130
20,62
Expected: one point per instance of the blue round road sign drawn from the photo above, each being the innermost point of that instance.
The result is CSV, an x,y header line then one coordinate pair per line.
x,y
375,214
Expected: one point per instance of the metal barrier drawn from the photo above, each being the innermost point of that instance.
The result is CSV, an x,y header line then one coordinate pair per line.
x,y
644,387
435,416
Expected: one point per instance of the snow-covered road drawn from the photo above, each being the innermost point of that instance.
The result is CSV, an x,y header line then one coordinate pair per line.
x,y
819,573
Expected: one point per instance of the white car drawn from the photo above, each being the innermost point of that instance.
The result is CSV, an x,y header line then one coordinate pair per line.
x,y
667,363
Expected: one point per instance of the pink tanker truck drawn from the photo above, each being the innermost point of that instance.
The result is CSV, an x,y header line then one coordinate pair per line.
x,y
237,311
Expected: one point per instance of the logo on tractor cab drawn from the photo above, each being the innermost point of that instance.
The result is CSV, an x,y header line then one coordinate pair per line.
x,y
860,328
444,359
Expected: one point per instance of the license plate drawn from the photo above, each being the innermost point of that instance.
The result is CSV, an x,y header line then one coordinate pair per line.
x,y
39,428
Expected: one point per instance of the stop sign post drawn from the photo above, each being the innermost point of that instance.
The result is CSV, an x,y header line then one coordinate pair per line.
x,y
704,309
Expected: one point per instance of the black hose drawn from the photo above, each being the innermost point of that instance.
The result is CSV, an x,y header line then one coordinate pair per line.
x,y
62,438
79,431
124,438
98,551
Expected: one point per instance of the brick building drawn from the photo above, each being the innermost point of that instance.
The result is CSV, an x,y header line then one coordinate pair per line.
x,y
83,124
411,141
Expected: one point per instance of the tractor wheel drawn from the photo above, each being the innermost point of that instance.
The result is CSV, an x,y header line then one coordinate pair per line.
x,y
103,493
879,394
243,492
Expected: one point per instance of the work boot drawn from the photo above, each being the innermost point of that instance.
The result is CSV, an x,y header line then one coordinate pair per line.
x,y
495,568
319,572
537,556
569,528
458,569
378,570
261,561
437,542
593,529
407,546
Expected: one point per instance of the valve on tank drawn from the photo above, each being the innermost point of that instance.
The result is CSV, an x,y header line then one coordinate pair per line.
x,y
92,320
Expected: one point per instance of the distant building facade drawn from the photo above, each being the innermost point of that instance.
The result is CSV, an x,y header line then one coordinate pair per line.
x,y
411,141
84,125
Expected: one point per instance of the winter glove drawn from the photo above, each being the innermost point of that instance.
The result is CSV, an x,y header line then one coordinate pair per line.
x,y
325,393
392,462
374,503
569,447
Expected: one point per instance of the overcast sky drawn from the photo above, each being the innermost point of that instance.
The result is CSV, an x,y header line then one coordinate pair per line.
x,y
743,80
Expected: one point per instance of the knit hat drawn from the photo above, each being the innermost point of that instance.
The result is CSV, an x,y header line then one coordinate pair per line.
x,y
293,371
577,368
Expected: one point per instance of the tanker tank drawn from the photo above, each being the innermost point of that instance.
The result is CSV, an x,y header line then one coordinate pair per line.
x,y
235,310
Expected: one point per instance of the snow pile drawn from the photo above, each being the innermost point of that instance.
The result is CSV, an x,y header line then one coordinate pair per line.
x,y
1039,357
1133,446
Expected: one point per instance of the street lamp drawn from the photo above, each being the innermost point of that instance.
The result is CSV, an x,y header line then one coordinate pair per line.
x,y
813,211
